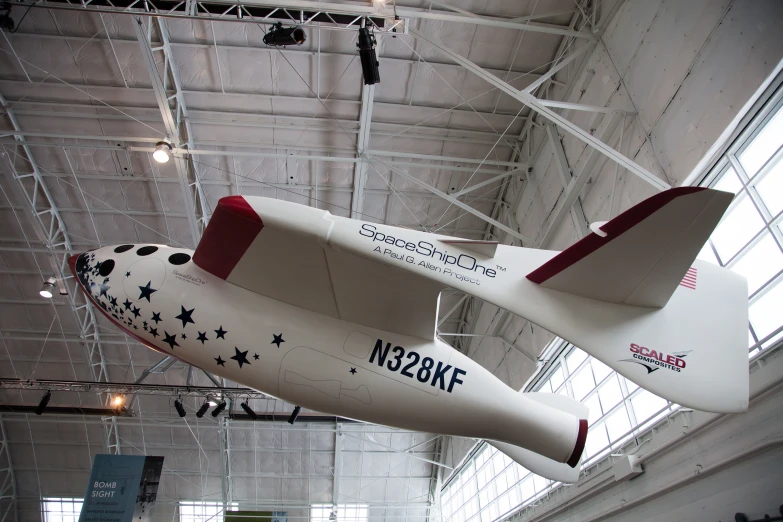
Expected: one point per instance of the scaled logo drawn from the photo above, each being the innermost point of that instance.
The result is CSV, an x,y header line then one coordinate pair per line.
x,y
654,360
189,278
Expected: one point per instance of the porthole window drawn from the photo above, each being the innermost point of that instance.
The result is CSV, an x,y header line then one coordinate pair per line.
x,y
122,248
146,250
106,267
179,258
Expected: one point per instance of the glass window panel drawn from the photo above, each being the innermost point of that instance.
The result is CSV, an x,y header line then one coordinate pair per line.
x,y
574,359
645,405
770,188
618,424
527,489
737,228
594,407
600,370
540,483
629,384
596,440
513,497
556,379
503,504
760,263
485,516
483,496
582,383
729,182
763,145
706,254
610,393
765,313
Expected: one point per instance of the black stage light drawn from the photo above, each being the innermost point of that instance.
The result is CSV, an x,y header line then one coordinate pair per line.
x,y
280,36
249,410
180,410
44,401
366,45
294,415
219,409
201,411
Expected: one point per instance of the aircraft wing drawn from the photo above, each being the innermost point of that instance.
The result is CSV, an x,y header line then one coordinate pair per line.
x,y
277,249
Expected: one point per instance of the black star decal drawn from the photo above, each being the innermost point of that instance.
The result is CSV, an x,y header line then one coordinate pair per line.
x,y
144,323
171,340
146,291
127,304
220,361
155,317
278,339
184,336
127,274
353,371
202,336
135,327
154,332
145,327
104,288
105,280
185,316
240,357
221,333
255,356
113,301
136,312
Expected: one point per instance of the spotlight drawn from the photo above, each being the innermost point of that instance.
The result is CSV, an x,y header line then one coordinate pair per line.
x,y
44,401
219,409
366,45
211,401
117,402
294,415
47,289
201,411
249,410
281,36
180,409
162,152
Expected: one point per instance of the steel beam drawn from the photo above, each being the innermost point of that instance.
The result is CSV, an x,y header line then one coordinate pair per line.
x,y
576,183
170,122
8,493
360,168
536,104
561,162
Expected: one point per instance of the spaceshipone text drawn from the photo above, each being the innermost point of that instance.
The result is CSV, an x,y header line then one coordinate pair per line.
x,y
434,259
422,369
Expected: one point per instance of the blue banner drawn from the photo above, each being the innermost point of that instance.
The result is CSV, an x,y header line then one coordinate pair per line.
x,y
120,487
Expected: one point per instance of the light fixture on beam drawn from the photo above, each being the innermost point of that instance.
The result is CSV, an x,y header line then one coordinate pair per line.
x,y
201,411
366,45
180,409
249,410
47,289
162,152
118,402
44,401
219,409
279,36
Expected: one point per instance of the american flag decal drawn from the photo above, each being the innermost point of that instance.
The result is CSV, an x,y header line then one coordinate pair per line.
x,y
689,281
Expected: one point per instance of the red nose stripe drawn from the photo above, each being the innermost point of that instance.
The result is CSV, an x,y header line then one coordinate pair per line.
x,y
581,438
231,231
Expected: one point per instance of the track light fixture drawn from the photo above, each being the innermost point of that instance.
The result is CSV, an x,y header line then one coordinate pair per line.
x,y
44,401
281,36
201,411
180,409
47,289
249,410
162,152
366,45
219,409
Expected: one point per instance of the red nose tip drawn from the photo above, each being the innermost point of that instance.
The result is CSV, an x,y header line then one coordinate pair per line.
x,y
72,263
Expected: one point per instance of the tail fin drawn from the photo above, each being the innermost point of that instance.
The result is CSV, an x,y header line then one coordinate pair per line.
x,y
644,253
540,465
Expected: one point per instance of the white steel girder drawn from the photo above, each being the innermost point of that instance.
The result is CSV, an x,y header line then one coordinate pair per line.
x,y
361,167
538,106
54,236
192,191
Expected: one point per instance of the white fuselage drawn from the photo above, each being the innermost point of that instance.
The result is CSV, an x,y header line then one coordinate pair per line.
x,y
309,359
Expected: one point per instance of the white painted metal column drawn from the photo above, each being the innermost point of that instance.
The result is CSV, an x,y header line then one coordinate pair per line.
x,y
360,168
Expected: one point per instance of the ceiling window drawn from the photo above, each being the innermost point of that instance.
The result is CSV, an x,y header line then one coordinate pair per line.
x,y
338,513
57,509
201,511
